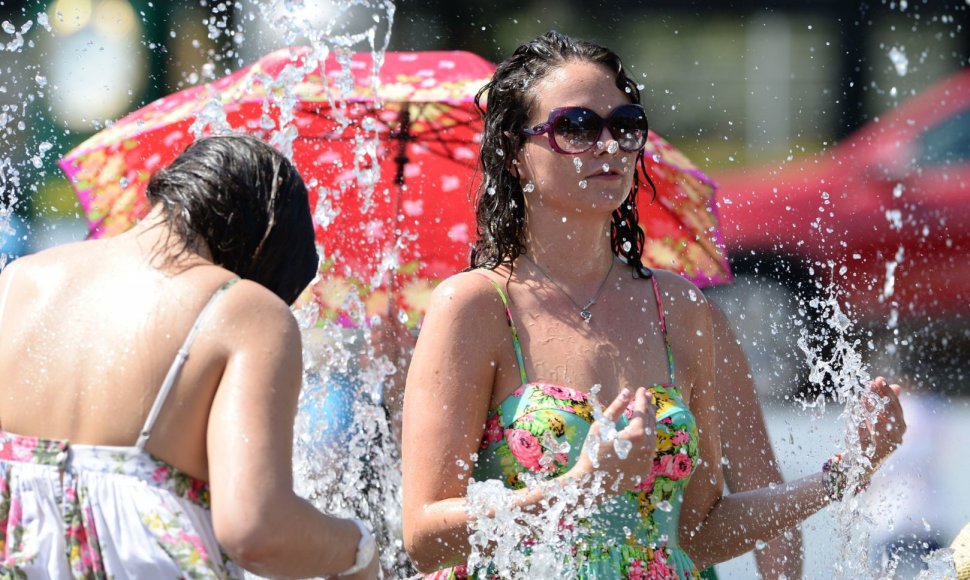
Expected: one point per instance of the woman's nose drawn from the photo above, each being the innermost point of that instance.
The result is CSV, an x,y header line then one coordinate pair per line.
x,y
606,143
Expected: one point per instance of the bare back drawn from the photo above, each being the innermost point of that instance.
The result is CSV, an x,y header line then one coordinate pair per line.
x,y
87,335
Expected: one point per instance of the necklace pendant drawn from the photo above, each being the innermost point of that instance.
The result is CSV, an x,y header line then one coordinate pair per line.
x,y
586,315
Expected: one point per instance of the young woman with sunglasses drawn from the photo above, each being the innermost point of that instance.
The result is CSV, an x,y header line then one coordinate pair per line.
x,y
557,301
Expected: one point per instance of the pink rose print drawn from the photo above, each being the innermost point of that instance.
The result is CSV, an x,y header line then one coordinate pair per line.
x,y
160,475
195,490
682,466
680,437
659,570
664,467
558,392
23,450
636,571
525,448
196,542
91,556
647,483
493,432
16,512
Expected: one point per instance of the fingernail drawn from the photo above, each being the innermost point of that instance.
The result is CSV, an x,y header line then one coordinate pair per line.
x,y
625,394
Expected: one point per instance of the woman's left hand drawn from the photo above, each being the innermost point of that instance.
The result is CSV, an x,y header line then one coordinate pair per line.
x,y
881,435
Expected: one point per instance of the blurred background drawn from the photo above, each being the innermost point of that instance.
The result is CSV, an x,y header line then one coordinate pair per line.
x,y
844,168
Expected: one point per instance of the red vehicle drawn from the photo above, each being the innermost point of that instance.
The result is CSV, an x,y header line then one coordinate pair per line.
x,y
885,215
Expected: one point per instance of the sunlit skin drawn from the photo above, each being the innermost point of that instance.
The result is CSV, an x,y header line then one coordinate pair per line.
x,y
750,461
89,331
464,363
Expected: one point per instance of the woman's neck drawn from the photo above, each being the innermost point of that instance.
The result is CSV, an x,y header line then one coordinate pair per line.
x,y
162,246
576,251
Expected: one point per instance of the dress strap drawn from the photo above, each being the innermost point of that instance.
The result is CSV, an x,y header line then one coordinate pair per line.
x,y
176,368
515,335
663,328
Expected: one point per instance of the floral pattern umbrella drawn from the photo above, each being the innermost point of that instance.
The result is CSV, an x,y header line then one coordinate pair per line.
x,y
680,225
388,150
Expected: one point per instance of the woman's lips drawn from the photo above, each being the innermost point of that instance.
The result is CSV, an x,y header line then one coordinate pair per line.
x,y
606,176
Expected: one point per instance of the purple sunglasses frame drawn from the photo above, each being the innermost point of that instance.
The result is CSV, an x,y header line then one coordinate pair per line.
x,y
555,114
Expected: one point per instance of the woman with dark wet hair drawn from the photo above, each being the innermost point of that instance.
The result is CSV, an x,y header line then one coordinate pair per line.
x,y
556,312
150,383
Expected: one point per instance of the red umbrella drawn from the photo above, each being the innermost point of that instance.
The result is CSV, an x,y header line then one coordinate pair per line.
x,y
409,225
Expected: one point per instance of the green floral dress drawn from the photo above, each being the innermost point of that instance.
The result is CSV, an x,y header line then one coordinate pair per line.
x,y
633,535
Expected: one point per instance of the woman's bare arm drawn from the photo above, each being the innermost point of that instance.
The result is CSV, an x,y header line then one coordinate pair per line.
x,y
715,528
750,460
259,520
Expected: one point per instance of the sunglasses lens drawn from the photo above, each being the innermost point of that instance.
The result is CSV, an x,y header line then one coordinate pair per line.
x,y
576,129
628,125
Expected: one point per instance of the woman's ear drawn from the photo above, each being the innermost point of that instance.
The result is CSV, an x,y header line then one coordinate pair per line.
x,y
514,168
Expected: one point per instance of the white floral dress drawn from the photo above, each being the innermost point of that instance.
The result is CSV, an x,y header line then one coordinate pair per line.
x,y
84,511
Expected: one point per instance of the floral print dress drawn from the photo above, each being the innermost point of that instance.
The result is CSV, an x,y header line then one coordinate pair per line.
x,y
633,535
85,511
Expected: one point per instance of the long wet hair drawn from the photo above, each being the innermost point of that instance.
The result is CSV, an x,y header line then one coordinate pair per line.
x,y
500,207
248,204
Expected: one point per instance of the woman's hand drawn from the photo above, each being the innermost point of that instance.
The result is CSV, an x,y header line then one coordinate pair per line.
x,y
598,455
371,572
881,435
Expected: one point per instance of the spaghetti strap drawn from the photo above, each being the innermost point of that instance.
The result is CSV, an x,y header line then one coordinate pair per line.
x,y
515,335
663,328
177,365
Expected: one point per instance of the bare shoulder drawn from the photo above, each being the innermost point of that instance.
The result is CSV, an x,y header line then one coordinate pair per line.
x,y
251,313
35,267
468,297
681,296
466,314
38,275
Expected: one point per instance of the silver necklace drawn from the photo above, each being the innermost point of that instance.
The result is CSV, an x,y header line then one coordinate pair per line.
x,y
584,312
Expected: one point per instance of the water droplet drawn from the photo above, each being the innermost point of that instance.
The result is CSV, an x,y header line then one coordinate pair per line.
x,y
578,164
899,60
529,187
583,184
622,447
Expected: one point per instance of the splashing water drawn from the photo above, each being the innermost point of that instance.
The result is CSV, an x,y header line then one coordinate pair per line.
x,y
511,542
347,464
900,62
345,456
845,374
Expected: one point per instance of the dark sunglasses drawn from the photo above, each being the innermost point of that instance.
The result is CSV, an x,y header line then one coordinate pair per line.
x,y
575,130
